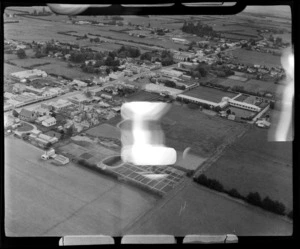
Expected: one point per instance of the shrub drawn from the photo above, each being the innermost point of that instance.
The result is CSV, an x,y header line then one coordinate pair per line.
x,y
190,173
254,198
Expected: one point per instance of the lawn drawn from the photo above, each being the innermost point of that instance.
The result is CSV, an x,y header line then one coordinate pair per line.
x,y
252,57
104,130
255,164
209,94
25,127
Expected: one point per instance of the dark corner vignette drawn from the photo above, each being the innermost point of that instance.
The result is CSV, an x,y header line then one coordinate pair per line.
x,y
198,178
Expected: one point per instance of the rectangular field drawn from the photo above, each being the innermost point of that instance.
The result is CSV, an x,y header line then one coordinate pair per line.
x,y
8,69
45,200
209,94
201,132
254,164
252,57
252,85
105,130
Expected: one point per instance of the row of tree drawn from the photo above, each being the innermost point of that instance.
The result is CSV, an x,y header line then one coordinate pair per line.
x,y
253,198
199,29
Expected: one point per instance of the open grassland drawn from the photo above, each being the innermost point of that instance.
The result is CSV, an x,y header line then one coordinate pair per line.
x,y
252,57
203,133
254,164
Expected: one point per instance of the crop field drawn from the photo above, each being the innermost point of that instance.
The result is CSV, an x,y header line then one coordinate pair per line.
x,y
202,133
253,57
44,200
209,94
8,69
196,210
255,164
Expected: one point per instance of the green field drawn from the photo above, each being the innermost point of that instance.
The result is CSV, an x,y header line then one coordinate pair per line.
x,y
255,164
209,94
105,130
8,69
252,85
192,128
252,57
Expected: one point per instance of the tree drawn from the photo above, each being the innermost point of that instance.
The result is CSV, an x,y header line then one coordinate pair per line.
x,y
193,106
69,131
88,94
234,193
21,53
254,198
290,215
15,113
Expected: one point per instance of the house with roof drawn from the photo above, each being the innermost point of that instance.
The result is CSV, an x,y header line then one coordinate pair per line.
x,y
27,115
49,122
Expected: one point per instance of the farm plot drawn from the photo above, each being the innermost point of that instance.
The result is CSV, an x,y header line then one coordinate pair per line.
x,y
203,133
252,57
254,164
8,69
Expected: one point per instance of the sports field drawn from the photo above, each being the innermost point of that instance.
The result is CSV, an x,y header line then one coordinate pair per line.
x,y
255,164
209,94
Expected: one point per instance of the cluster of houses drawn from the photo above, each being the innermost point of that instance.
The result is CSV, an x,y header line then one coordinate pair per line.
x,y
258,70
22,93
11,46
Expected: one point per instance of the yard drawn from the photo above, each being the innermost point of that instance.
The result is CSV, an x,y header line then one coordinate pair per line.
x,y
25,127
254,164
105,130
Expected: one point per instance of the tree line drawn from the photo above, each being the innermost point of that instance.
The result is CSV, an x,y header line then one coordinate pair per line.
x,y
253,198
